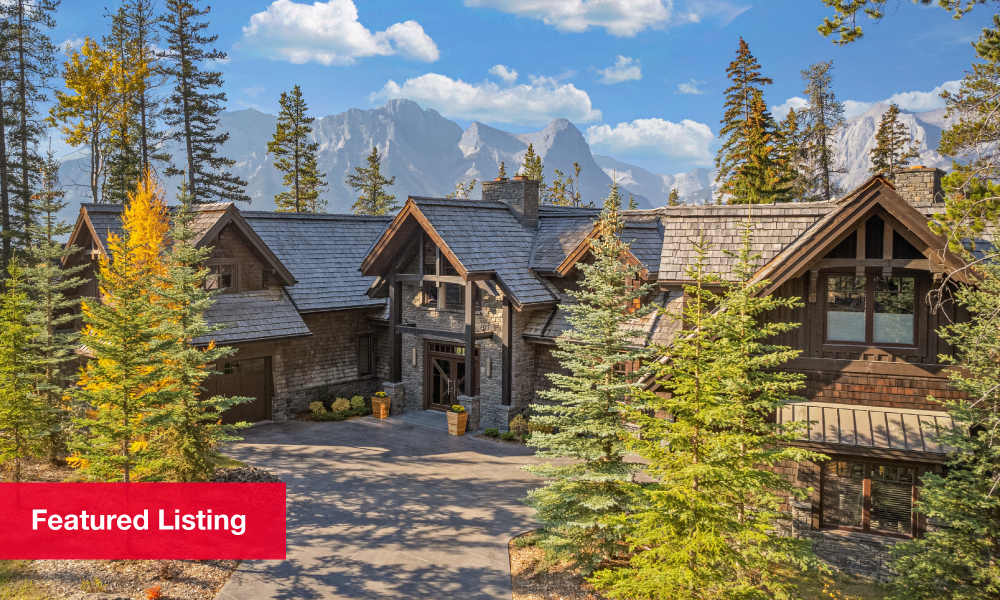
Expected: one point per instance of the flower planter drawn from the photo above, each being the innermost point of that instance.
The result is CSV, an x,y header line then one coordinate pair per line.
x,y
380,407
456,422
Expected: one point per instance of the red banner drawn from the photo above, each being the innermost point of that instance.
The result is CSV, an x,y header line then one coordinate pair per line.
x,y
142,521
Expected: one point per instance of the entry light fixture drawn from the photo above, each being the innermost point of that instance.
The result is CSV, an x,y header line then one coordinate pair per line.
x,y
413,359
489,366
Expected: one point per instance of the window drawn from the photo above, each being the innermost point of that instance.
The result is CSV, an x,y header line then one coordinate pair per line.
x,y
221,277
430,295
870,309
366,356
454,295
869,497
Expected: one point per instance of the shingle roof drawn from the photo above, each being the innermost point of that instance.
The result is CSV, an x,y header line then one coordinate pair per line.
x,y
654,326
775,227
485,236
107,218
255,315
323,252
559,234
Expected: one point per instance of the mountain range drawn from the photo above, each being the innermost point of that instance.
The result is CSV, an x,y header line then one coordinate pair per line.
x,y
429,154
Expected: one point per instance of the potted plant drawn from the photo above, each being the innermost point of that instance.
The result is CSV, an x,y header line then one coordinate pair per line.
x,y
457,417
380,405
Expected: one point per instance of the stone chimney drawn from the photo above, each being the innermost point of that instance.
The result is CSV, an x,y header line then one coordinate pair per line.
x,y
520,194
919,185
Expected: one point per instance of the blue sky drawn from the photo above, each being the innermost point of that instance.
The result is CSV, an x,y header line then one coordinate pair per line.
x,y
643,79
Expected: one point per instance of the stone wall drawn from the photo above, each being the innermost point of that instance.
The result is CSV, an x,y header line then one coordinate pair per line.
x,y
545,363
919,184
855,553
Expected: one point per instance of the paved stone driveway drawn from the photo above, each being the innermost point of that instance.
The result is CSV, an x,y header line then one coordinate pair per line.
x,y
387,509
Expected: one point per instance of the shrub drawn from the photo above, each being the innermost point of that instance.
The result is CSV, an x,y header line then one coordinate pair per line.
x,y
519,426
357,402
532,427
340,405
492,432
508,436
317,407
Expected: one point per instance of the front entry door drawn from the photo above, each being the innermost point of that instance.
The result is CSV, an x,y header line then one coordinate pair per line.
x,y
445,376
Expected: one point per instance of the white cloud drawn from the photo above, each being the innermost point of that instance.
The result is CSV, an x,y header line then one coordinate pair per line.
x,y
535,104
254,91
70,44
781,111
329,33
690,87
911,101
624,69
505,73
853,108
620,18
687,139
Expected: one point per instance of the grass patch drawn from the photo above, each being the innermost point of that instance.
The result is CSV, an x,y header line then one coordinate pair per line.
x,y
224,462
16,582
812,584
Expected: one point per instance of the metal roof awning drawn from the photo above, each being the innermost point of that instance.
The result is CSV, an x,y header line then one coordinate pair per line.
x,y
870,427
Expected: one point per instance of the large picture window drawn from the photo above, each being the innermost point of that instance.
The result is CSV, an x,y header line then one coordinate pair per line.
x,y
868,497
879,310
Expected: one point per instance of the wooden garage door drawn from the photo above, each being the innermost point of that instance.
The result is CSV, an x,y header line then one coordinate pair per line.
x,y
247,377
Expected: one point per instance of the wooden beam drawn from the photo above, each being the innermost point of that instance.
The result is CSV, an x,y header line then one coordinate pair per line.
x,y
395,337
887,247
506,356
859,253
422,244
471,372
438,272
922,264
438,278
440,333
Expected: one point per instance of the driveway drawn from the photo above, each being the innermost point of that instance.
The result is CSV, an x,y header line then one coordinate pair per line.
x,y
393,508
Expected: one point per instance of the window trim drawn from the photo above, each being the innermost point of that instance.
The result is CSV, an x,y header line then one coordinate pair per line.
x,y
869,341
916,519
371,354
235,284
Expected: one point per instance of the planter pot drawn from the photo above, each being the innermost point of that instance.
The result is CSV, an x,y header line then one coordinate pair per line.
x,y
456,422
380,407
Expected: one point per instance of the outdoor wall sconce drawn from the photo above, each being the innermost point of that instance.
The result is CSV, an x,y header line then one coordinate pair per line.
x,y
413,360
489,366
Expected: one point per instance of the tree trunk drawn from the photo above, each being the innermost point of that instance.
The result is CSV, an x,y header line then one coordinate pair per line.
x,y
23,98
95,158
4,192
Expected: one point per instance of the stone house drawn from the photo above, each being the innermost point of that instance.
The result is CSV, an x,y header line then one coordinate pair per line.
x,y
474,289
292,300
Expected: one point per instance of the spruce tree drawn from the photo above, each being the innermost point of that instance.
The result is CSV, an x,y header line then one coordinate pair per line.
x,y
49,286
744,72
705,527
462,190
587,414
140,24
194,105
632,204
28,63
19,412
820,120
760,174
674,199
295,156
531,167
371,184
789,140
502,173
191,432
126,382
893,148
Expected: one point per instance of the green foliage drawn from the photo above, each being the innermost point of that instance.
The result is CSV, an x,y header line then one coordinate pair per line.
x,y
508,436
844,23
819,121
295,156
371,184
340,405
893,148
674,199
491,432
565,190
705,528
48,284
316,407
357,402
502,174
193,108
462,190
531,167
586,414
519,426
761,175
20,413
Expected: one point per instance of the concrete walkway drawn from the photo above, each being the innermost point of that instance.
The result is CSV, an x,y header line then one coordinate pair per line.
x,y
387,509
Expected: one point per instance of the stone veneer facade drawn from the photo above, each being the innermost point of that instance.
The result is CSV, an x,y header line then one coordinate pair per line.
x,y
919,184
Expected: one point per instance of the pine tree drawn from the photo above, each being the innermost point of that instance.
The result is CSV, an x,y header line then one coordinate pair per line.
x,y
371,184
531,167
125,384
84,117
141,24
28,63
296,157
789,140
845,20
760,174
48,285
191,433
462,190
820,121
193,107
960,561
632,204
705,527
587,413
744,72
893,148
502,174
565,190
674,199
19,412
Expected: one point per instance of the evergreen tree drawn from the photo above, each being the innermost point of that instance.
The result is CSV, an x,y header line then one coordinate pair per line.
x,y
531,167
371,184
49,284
84,117
193,107
845,20
19,412
296,157
674,199
138,21
705,527
462,190
192,432
759,174
820,121
789,140
503,172
28,58
744,72
126,383
632,204
565,190
893,148
587,414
